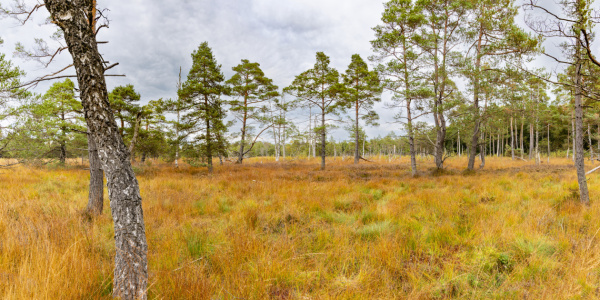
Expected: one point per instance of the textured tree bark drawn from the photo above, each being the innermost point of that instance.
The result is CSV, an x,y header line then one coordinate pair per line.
x,y
458,145
63,153
482,151
208,140
522,150
131,269
243,139
498,146
440,124
568,142
548,143
537,142
315,138
96,192
310,133
282,141
512,140
440,137
591,145
323,140
178,122
409,124
476,112
475,137
413,152
504,140
531,142
63,142
574,135
584,196
356,140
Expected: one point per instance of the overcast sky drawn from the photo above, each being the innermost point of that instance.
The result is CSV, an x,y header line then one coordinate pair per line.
x,y
151,39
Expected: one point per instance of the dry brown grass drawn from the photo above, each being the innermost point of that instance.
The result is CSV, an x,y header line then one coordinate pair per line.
x,y
289,231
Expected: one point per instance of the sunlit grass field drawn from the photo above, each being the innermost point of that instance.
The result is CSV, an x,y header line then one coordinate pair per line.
x,y
268,230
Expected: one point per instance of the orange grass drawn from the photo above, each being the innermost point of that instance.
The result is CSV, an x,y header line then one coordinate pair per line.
x,y
289,231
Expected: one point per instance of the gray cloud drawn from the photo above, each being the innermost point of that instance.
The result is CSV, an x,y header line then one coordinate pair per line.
x,y
152,39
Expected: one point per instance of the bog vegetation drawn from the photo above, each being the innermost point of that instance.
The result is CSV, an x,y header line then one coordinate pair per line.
x,y
480,191
268,230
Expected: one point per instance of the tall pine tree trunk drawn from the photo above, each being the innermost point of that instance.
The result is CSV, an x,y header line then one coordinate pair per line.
x,y
590,141
476,112
63,143
537,142
283,140
482,151
131,264
440,138
243,139
208,136
574,134
411,132
178,108
413,153
512,139
579,158
474,140
498,146
458,145
531,142
63,153
177,144
323,139
568,142
522,137
356,137
548,143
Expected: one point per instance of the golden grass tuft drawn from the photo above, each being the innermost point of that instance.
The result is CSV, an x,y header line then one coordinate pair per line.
x,y
269,230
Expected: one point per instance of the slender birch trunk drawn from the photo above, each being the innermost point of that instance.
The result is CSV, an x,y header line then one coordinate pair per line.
x,y
131,263
512,140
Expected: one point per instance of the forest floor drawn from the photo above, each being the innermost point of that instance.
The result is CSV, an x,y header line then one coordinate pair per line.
x,y
267,230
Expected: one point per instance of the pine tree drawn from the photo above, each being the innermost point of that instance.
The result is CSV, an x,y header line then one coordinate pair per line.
x,y
10,82
493,35
362,89
439,40
201,95
400,63
319,87
10,91
123,102
253,91
60,115
151,135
